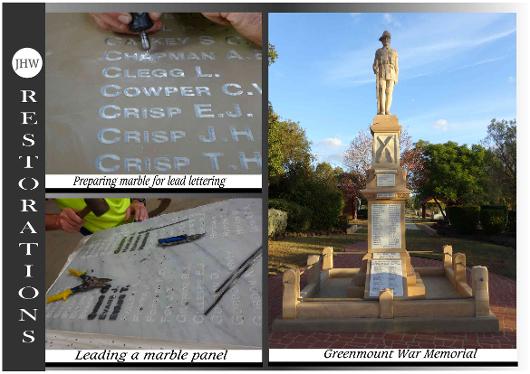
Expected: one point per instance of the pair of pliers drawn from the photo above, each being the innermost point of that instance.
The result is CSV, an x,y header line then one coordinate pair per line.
x,y
89,282
180,239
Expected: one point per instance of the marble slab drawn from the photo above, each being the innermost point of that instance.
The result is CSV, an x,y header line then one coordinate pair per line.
x,y
161,293
192,104
386,180
386,225
386,272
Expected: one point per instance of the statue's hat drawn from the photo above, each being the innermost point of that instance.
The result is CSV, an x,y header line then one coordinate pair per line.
x,y
385,35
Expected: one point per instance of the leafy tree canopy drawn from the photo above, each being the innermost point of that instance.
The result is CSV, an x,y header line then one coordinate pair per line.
x,y
455,174
288,146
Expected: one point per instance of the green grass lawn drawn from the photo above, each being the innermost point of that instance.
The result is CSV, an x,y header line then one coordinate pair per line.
x,y
292,251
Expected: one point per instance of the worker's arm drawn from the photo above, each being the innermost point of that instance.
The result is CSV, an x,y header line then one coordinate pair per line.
x,y
67,220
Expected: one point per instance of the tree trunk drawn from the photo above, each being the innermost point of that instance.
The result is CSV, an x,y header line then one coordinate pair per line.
x,y
423,210
441,210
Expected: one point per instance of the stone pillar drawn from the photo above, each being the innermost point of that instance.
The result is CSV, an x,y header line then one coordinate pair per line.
x,y
386,191
386,188
313,267
479,284
386,300
291,293
327,258
459,267
448,256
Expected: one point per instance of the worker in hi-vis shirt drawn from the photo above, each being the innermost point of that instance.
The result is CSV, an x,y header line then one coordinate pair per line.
x,y
78,216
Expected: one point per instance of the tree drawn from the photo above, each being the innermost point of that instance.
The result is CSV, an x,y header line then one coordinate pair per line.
x,y
502,144
358,157
273,54
454,174
315,189
288,146
413,162
327,173
351,183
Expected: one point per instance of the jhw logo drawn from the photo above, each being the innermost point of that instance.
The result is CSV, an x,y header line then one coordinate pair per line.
x,y
27,63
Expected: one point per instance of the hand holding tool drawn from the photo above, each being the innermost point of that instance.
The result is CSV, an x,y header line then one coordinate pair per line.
x,y
180,239
141,22
89,282
96,206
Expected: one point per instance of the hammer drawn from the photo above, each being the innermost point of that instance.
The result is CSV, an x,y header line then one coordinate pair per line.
x,y
96,206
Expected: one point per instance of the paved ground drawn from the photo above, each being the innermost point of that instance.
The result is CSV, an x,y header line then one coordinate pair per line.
x,y
502,299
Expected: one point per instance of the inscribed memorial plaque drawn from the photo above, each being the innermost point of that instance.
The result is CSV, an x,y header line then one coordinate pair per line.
x,y
386,273
386,226
386,180
192,104
386,256
162,293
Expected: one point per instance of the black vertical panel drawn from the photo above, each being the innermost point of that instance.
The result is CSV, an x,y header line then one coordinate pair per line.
x,y
23,27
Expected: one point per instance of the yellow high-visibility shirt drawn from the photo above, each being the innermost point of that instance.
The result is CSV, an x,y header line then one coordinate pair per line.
x,y
115,216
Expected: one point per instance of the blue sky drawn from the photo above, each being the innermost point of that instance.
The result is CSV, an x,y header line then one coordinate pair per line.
x,y
457,72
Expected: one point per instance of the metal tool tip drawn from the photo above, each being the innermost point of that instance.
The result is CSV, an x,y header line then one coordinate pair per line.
x,y
146,45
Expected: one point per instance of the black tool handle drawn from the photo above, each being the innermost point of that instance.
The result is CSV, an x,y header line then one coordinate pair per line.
x,y
236,271
140,22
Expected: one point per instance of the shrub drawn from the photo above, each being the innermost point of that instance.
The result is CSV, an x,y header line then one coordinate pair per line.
x,y
277,223
298,217
343,223
512,221
326,206
493,218
463,218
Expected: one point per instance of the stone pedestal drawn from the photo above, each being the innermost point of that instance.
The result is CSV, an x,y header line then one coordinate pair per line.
x,y
387,264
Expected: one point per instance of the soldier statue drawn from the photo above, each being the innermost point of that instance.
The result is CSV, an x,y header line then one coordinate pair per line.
x,y
386,74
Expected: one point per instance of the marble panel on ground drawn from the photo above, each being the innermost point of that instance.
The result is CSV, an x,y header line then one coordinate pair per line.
x,y
164,293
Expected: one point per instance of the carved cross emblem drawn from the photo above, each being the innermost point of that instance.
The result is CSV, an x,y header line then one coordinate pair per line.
x,y
384,149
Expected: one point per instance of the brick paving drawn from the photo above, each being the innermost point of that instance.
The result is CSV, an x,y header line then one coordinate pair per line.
x,y
502,301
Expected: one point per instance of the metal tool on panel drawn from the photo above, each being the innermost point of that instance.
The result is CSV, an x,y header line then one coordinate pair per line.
x,y
89,283
233,277
179,239
141,22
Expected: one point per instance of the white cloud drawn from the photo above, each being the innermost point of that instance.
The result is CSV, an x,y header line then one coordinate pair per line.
x,y
330,150
335,159
390,20
331,142
441,124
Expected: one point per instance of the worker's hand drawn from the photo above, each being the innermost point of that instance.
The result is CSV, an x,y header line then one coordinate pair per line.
x,y
138,210
69,221
247,24
119,22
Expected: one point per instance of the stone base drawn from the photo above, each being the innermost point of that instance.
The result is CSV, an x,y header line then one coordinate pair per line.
x,y
408,324
385,123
